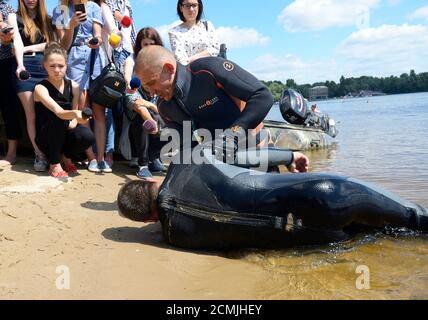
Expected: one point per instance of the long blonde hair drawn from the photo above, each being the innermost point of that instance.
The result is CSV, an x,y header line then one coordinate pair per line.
x,y
40,24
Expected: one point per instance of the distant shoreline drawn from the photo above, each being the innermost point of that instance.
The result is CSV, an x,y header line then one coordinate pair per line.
x,y
355,98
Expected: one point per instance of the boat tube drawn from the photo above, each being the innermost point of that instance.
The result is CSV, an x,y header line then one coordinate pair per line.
x,y
301,129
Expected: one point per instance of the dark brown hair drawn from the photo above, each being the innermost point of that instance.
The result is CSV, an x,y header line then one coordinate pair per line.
x,y
135,199
200,12
54,48
147,33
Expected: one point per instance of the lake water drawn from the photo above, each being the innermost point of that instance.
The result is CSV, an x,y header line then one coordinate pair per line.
x,y
382,140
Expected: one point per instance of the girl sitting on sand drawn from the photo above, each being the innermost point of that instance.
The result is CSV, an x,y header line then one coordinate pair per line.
x,y
60,135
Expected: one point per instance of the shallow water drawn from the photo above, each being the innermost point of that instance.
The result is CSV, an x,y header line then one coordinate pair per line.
x,y
382,140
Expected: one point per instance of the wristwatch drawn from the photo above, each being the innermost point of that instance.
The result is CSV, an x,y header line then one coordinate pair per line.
x,y
235,129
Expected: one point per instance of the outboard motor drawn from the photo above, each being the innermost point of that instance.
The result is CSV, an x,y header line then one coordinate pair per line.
x,y
223,51
331,127
293,107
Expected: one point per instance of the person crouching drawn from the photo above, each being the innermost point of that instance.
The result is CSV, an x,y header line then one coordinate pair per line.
x,y
59,131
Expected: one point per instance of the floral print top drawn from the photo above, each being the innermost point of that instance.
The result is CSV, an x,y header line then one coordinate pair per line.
x,y
187,42
6,10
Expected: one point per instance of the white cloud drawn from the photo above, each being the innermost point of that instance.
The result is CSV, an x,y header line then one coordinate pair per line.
x,y
314,15
386,50
381,52
421,13
236,37
270,67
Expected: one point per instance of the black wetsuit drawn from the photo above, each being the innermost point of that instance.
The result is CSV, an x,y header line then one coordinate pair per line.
x,y
207,93
218,206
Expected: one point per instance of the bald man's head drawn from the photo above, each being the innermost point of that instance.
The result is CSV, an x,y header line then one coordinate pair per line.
x,y
156,68
153,57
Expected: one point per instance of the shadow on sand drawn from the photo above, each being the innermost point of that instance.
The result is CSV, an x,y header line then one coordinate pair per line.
x,y
100,205
150,235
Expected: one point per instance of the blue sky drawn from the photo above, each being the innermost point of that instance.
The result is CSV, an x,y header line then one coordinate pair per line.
x,y
310,40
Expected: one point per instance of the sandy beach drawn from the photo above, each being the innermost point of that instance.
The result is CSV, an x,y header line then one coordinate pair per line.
x,y
47,224
66,240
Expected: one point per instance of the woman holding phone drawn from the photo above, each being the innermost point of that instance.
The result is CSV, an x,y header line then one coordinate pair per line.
x,y
78,25
8,102
35,29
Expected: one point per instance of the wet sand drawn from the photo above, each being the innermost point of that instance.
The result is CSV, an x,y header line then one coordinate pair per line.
x,y
46,223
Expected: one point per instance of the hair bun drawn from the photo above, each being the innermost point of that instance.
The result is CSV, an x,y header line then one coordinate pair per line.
x,y
54,48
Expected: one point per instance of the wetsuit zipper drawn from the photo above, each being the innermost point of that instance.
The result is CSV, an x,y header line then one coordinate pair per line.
x,y
231,217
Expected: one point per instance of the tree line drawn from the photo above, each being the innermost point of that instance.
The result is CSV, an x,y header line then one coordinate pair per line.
x,y
406,83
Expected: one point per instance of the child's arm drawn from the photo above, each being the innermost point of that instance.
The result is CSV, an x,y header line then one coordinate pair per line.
x,y
41,94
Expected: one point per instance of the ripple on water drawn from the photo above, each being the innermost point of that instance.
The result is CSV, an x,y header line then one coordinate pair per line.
x,y
396,260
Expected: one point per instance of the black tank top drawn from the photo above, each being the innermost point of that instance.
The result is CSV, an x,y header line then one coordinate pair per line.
x,y
43,114
26,39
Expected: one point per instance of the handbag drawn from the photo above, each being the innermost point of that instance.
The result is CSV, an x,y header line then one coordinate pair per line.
x,y
109,87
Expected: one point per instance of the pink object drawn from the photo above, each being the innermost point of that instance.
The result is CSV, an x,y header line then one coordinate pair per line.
x,y
150,126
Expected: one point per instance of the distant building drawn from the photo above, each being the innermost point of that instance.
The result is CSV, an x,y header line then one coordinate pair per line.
x,y
318,93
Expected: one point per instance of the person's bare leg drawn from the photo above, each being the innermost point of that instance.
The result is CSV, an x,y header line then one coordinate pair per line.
x,y
99,130
10,159
30,115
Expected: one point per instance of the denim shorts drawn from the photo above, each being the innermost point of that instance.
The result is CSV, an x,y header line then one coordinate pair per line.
x,y
34,65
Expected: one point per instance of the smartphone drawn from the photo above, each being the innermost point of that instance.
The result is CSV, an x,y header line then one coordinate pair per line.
x,y
80,7
6,30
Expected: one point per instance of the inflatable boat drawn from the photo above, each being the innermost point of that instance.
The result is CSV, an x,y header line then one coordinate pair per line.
x,y
301,129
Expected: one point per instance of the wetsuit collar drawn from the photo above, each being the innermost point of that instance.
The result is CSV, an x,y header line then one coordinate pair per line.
x,y
182,84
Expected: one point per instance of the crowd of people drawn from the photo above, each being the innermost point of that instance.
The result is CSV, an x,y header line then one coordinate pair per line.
x,y
51,61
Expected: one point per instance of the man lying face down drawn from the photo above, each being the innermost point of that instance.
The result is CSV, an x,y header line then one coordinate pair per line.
x,y
216,205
